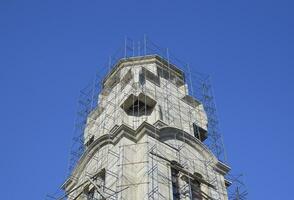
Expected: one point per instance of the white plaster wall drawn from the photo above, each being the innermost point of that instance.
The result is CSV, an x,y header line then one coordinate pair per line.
x,y
176,112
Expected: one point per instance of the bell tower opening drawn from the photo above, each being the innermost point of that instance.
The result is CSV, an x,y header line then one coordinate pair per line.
x,y
138,106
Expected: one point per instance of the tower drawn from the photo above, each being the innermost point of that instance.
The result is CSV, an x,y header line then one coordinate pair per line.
x,y
146,137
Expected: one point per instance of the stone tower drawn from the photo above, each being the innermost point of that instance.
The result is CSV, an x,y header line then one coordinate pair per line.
x,y
146,139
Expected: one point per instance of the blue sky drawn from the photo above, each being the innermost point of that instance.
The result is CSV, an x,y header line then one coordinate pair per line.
x,y
51,49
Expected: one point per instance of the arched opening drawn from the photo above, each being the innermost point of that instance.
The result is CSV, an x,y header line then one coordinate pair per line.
x,y
138,105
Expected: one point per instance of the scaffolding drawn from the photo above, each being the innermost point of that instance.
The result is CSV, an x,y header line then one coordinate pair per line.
x,y
153,152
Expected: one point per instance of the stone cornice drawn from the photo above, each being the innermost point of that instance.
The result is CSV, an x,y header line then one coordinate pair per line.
x,y
162,134
148,59
222,168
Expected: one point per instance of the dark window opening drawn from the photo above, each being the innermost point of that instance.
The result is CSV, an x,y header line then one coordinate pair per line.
x,y
175,184
139,108
195,190
142,79
160,113
91,194
138,105
145,74
199,132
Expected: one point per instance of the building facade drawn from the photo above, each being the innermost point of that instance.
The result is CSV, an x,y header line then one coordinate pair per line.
x,y
146,139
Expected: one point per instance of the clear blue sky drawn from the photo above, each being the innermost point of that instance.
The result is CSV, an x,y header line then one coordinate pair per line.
x,y
51,49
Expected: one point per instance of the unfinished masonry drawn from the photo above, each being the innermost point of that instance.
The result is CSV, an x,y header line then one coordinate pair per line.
x,y
148,130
